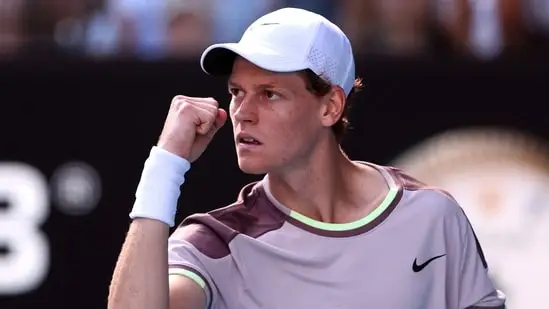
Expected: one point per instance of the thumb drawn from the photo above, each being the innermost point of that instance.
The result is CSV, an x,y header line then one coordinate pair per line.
x,y
220,120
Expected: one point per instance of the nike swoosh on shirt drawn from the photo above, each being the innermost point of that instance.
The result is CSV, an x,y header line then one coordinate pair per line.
x,y
417,268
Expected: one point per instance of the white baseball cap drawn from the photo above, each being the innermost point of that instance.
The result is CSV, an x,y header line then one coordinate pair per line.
x,y
289,40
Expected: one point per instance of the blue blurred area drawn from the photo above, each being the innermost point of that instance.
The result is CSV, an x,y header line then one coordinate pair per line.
x,y
155,30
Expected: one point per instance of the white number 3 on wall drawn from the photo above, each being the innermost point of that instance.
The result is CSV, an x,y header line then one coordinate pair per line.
x,y
24,263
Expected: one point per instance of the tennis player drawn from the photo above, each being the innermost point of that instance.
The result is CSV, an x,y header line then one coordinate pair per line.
x,y
320,230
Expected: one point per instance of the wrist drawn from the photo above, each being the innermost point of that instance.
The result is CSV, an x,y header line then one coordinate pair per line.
x,y
180,152
159,187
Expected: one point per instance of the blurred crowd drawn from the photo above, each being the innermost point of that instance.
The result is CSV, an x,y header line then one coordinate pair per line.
x,y
163,29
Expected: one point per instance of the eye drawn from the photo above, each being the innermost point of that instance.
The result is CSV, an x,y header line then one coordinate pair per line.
x,y
235,92
272,96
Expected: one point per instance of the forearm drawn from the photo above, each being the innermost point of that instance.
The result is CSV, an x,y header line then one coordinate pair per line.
x,y
140,277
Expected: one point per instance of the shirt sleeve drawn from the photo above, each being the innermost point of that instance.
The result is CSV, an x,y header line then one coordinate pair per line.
x,y
476,288
184,259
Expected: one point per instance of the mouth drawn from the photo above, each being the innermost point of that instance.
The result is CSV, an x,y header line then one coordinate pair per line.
x,y
247,140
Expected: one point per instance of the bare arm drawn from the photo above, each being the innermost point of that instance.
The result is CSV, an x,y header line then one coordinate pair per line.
x,y
140,277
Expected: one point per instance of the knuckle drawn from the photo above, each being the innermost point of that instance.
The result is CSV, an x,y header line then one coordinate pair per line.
x,y
211,101
185,107
177,100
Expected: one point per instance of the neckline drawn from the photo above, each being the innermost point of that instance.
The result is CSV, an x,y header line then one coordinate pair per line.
x,y
358,226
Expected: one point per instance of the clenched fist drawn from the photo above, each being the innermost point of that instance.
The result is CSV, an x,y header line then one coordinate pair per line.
x,y
190,126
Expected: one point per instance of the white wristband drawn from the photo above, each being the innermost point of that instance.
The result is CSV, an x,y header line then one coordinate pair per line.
x,y
160,186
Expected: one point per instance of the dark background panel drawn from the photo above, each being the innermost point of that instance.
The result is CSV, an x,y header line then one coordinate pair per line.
x,y
109,114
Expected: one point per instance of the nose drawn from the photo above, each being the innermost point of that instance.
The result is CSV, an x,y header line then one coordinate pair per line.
x,y
245,111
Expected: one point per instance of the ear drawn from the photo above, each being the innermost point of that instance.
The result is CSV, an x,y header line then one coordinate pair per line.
x,y
334,105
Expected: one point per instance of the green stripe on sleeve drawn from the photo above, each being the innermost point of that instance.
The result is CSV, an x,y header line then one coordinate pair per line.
x,y
189,274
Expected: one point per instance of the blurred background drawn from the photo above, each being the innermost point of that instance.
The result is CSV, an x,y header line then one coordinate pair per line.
x,y
455,95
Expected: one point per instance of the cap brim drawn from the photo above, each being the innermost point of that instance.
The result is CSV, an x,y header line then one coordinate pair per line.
x,y
218,59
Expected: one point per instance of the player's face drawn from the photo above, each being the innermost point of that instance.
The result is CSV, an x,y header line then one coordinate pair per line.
x,y
276,120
